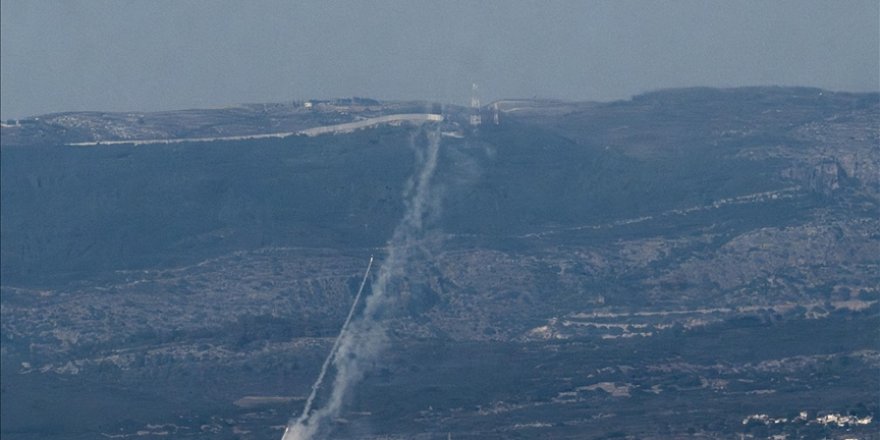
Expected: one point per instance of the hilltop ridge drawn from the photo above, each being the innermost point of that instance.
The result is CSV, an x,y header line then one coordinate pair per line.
x,y
295,116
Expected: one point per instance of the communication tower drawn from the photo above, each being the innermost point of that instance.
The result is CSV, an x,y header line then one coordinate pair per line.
x,y
475,106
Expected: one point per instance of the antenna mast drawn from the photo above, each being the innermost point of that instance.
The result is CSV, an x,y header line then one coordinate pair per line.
x,y
475,106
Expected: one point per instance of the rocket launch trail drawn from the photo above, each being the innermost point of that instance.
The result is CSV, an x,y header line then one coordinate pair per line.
x,y
317,385
358,347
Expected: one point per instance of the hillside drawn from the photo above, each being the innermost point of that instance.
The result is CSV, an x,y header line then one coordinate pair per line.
x,y
660,267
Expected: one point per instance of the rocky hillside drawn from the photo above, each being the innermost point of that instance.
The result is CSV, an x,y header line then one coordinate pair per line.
x,y
688,262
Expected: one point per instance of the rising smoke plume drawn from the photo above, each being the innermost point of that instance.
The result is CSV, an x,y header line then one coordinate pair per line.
x,y
361,342
333,350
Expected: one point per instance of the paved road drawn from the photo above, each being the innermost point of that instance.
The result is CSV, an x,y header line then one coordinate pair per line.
x,y
348,127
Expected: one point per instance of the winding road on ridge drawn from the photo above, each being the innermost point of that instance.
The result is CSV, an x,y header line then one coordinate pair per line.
x,y
348,127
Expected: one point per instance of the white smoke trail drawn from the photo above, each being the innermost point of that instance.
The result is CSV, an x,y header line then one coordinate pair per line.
x,y
360,347
317,385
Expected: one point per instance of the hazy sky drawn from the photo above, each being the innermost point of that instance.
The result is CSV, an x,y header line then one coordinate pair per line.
x,y
152,55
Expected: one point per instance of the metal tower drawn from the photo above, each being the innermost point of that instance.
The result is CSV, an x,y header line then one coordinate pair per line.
x,y
475,106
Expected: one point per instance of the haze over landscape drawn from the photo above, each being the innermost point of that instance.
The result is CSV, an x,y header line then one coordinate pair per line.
x,y
306,220
167,55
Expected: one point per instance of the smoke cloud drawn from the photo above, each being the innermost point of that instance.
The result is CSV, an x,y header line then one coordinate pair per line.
x,y
365,339
330,356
